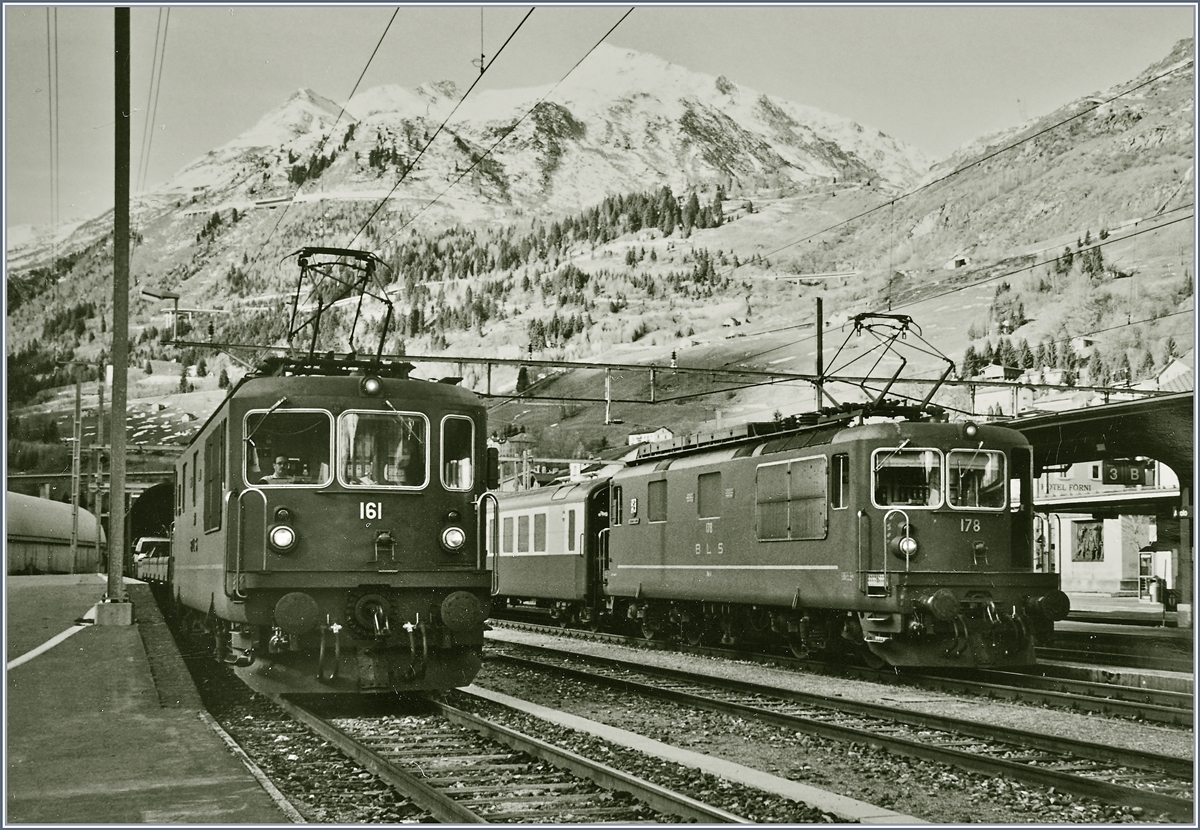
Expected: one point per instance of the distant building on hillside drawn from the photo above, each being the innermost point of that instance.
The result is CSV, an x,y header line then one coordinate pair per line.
x,y
650,436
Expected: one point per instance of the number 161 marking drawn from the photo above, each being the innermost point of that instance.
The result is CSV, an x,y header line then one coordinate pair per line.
x,y
370,510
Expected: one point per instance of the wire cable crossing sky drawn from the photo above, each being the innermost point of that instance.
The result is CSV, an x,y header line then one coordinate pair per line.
x,y
933,77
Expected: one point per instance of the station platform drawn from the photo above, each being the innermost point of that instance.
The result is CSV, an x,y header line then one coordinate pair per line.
x,y
106,726
1116,610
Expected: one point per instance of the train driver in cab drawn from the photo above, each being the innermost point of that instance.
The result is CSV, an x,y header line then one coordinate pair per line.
x,y
279,473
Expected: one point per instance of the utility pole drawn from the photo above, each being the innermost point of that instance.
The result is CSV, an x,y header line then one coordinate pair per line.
x,y
98,462
76,451
116,610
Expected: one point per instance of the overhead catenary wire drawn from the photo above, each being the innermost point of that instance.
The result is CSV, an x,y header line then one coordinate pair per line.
x,y
152,95
52,98
412,165
262,248
977,162
891,202
1112,240
511,129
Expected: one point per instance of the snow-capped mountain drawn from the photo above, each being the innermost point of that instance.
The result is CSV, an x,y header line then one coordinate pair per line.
x,y
625,120
622,122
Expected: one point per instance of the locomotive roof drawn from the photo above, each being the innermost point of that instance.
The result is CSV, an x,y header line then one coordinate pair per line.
x,y
811,429
275,376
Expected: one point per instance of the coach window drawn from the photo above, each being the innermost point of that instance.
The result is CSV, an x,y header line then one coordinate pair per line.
x,y
539,533
570,530
383,449
708,495
656,501
508,534
523,534
618,506
977,479
906,478
839,482
458,442
288,447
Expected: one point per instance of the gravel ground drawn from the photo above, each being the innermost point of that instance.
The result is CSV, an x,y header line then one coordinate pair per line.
x,y
327,787
927,790
1163,739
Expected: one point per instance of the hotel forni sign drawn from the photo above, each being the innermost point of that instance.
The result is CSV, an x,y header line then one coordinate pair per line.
x,y
1099,477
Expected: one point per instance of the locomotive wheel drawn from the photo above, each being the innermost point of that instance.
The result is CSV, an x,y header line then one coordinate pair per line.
x,y
650,631
698,633
220,641
872,659
800,649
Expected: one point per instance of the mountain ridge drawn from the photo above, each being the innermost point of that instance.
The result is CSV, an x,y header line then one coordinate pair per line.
x,y
531,242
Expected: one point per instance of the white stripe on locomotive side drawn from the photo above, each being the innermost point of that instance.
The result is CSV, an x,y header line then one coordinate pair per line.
x,y
731,567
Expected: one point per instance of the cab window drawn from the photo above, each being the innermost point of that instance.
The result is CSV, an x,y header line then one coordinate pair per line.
x,y
906,478
458,441
383,449
288,448
976,478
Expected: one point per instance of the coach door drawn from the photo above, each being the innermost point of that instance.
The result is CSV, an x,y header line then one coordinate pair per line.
x,y
595,535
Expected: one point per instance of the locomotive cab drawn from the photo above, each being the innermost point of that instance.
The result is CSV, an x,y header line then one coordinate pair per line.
x,y
331,522
946,547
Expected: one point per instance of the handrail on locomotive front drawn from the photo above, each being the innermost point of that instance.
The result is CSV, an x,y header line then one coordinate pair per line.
x,y
236,538
864,562
481,536
907,533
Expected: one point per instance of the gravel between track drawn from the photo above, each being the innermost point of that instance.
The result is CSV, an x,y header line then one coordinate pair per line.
x,y
327,787
927,790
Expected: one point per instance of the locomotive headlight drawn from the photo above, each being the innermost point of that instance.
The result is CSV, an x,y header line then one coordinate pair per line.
x,y
908,547
453,538
371,385
282,538
971,430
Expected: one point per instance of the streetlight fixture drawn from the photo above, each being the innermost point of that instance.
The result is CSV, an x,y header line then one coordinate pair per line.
x,y
163,294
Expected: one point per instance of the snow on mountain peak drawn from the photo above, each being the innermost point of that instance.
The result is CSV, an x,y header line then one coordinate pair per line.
x,y
303,112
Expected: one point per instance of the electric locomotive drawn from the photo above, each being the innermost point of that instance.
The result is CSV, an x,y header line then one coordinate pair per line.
x,y
906,542
878,528
329,514
910,541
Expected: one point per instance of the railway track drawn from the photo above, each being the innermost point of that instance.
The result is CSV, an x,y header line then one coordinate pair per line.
x,y
464,769
1046,685
1161,785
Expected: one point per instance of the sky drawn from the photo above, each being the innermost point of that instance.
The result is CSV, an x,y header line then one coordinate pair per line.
x,y
935,76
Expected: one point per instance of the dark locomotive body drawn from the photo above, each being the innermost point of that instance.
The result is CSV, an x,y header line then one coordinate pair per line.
x,y
328,522
910,542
